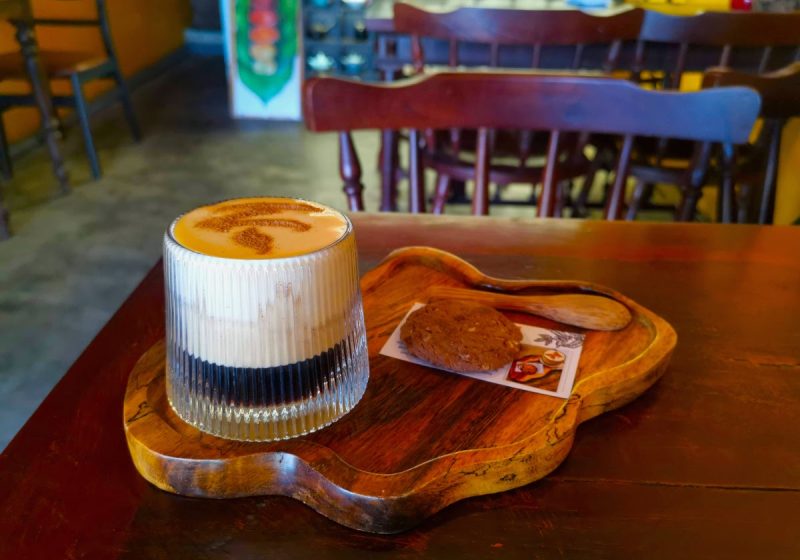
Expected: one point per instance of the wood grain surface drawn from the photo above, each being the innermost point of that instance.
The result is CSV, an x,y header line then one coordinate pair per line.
x,y
578,310
420,439
705,464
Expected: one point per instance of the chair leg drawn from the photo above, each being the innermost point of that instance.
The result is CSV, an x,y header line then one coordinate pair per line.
x,y
388,168
5,233
688,206
498,193
416,174
563,198
458,191
442,191
6,168
692,187
533,199
727,201
350,171
480,198
127,106
579,207
766,210
615,203
639,194
82,110
744,202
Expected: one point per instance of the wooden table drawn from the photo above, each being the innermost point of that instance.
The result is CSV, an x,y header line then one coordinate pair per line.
x,y
18,13
378,15
706,464
394,50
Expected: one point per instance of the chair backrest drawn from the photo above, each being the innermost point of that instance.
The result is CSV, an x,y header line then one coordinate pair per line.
x,y
725,30
779,90
527,101
101,22
533,28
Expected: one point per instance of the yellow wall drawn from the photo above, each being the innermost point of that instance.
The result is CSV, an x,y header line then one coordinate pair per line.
x,y
787,201
144,31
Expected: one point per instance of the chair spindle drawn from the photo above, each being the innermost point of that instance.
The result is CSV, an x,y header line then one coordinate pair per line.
x,y
388,166
726,201
680,65
547,198
350,171
494,55
536,61
765,54
767,207
616,198
480,199
417,54
416,174
578,57
725,57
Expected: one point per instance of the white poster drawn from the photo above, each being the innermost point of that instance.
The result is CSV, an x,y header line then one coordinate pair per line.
x,y
262,58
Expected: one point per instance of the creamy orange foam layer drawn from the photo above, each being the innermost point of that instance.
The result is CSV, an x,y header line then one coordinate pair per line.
x,y
259,228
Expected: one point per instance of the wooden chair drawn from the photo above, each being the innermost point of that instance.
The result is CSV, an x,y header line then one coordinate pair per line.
x,y
79,68
526,101
758,172
534,30
748,41
720,35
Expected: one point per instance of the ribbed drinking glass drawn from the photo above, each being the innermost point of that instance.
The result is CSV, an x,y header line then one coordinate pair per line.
x,y
264,349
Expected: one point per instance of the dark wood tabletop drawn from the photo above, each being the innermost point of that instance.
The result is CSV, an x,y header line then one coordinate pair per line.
x,y
705,464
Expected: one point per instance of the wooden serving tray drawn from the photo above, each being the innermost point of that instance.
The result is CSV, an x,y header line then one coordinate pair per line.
x,y
420,439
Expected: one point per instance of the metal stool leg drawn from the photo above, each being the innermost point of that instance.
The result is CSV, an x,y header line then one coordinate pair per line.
x,y
82,110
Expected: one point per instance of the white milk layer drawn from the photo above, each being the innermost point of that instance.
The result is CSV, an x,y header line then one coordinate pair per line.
x,y
260,313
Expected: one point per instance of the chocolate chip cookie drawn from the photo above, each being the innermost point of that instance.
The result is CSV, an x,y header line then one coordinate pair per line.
x,y
461,336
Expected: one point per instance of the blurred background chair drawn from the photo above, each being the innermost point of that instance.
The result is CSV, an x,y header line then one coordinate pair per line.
x,y
77,68
756,172
534,34
749,42
557,105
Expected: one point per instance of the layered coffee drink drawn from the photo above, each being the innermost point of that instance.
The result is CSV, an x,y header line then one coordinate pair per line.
x,y
265,328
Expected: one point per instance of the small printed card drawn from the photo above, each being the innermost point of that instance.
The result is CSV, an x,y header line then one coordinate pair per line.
x,y
547,363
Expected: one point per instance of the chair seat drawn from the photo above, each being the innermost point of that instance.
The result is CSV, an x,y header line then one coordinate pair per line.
x,y
57,64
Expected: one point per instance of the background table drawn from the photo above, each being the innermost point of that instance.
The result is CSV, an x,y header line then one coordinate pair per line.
x,y
706,464
378,19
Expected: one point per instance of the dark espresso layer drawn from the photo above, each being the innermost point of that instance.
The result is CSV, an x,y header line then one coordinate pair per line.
x,y
255,388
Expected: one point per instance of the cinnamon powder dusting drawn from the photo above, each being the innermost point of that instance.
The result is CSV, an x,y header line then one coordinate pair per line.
x,y
261,243
224,224
260,208
248,214
259,228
